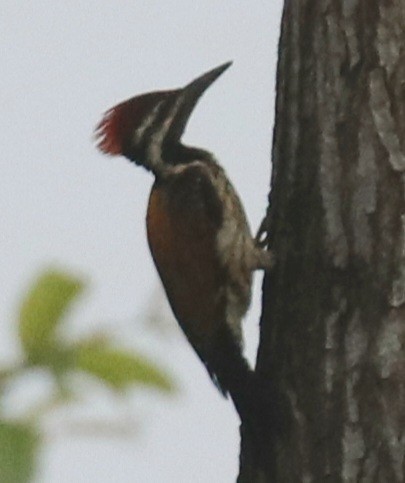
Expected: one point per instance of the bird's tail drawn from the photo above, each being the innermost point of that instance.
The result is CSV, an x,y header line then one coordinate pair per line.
x,y
230,371
252,396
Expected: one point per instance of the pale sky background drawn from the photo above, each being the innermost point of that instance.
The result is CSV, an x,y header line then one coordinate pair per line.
x,y
63,203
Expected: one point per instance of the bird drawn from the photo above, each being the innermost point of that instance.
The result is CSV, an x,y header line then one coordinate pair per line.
x,y
197,229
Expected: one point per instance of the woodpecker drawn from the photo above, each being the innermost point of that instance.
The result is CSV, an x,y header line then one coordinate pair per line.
x,y
197,229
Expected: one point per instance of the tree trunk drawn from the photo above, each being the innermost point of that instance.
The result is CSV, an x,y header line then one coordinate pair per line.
x,y
333,326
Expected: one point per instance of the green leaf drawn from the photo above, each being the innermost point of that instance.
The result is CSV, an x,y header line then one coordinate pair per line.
x,y
42,310
120,368
19,444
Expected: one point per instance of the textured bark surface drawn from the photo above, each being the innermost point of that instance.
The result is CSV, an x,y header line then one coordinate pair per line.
x,y
333,325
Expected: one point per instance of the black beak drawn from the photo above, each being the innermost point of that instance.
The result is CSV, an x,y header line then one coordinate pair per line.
x,y
193,91
187,98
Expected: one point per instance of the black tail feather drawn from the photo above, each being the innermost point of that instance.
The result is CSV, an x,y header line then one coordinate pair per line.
x,y
231,373
251,395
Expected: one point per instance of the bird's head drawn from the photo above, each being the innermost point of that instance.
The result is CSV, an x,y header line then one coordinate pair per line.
x,y
150,126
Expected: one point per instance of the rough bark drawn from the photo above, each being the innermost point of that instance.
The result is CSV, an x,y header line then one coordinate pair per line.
x,y
333,325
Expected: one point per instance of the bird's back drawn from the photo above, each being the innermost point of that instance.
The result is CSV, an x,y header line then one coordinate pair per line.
x,y
182,228
183,221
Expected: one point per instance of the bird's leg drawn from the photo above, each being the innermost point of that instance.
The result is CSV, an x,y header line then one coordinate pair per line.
x,y
264,257
262,235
